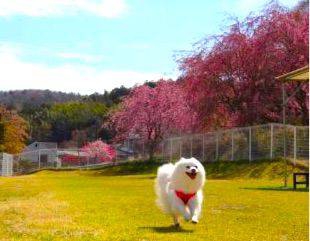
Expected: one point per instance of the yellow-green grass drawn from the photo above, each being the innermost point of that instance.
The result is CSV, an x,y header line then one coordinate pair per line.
x,y
242,203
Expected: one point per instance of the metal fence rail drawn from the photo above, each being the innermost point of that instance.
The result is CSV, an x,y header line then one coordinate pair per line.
x,y
248,143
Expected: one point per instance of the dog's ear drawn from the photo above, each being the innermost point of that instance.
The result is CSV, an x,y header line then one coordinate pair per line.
x,y
194,159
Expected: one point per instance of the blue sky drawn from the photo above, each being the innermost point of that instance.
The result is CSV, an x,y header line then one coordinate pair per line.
x,y
90,46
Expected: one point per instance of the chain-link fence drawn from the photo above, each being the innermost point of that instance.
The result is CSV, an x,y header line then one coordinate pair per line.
x,y
6,164
56,158
248,143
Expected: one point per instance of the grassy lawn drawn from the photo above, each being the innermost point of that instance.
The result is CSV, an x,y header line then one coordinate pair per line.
x,y
118,204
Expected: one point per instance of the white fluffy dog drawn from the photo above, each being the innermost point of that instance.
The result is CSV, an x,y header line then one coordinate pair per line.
x,y
179,189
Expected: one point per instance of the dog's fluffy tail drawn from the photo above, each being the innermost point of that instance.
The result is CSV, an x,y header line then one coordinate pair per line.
x,y
163,176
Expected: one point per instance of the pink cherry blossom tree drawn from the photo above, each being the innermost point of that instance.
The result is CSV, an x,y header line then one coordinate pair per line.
x,y
99,151
153,113
230,79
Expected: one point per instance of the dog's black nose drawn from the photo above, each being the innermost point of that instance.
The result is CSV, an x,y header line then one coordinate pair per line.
x,y
193,170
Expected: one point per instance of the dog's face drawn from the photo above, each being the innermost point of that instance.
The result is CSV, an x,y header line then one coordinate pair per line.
x,y
191,170
189,173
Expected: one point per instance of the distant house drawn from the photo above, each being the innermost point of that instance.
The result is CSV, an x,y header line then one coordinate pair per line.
x,y
43,152
40,145
131,148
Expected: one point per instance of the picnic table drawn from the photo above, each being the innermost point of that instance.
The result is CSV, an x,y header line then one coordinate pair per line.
x,y
301,174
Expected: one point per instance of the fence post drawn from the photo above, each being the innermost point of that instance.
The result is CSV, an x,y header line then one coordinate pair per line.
x,y
180,147
143,153
250,144
4,165
271,141
191,146
203,147
59,161
2,172
133,148
87,162
10,166
162,150
217,146
295,145
116,157
78,152
171,150
39,160
232,145
7,165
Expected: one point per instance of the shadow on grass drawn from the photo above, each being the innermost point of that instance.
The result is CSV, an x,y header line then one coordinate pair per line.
x,y
167,229
281,189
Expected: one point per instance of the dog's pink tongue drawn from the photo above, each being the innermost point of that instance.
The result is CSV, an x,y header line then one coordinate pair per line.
x,y
191,175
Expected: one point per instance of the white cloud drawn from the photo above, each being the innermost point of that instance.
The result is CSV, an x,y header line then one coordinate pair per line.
x,y
82,57
244,7
18,74
37,8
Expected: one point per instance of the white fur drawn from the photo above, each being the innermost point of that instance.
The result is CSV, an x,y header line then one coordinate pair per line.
x,y
173,177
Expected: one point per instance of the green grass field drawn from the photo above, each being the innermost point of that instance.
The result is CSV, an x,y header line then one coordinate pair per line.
x,y
242,202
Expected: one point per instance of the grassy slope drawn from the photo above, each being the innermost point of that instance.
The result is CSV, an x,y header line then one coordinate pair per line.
x,y
216,170
118,204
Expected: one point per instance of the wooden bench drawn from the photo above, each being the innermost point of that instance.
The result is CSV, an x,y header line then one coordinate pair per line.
x,y
301,174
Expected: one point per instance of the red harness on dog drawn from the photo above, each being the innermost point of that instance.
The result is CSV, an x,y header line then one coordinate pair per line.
x,y
185,197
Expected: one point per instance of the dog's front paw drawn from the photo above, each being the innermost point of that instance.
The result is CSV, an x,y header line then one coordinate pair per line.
x,y
187,217
194,220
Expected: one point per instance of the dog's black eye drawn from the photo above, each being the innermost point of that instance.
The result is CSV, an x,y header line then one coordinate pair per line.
x,y
187,167
196,167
